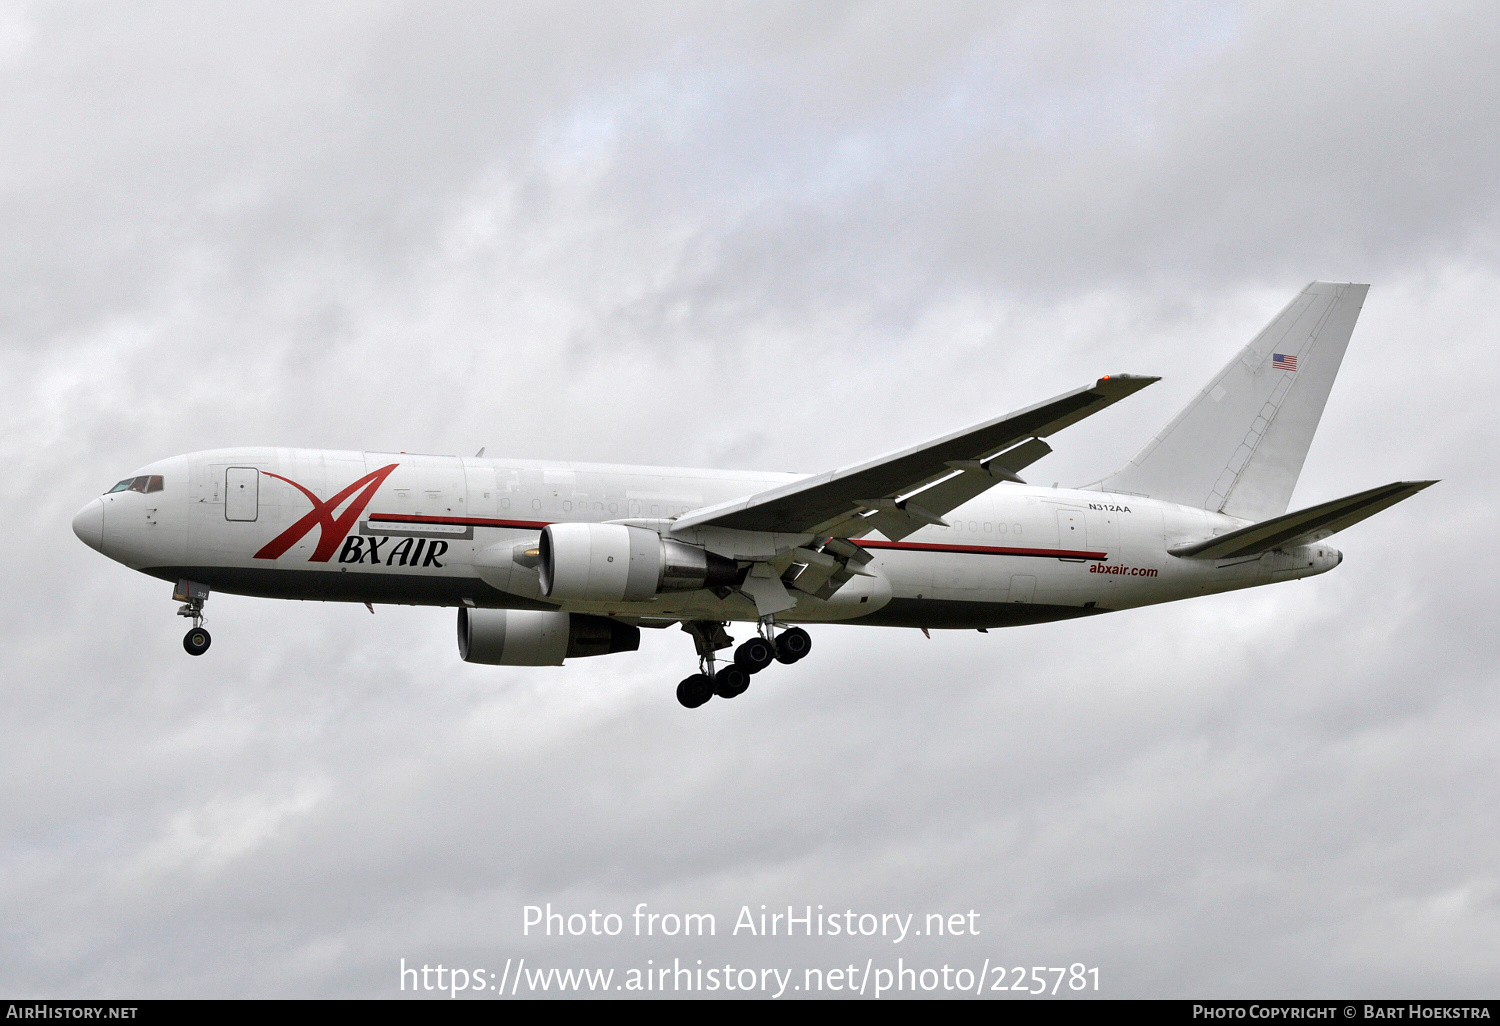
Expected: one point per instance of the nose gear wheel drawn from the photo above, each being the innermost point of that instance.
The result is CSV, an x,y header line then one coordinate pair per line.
x,y
196,641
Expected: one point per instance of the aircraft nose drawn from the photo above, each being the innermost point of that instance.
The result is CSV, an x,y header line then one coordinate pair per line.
x,y
89,525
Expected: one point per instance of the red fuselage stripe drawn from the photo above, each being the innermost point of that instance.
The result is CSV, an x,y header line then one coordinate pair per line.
x,y
982,550
413,518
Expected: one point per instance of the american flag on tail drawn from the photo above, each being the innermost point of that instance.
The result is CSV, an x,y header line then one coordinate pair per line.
x,y
1280,361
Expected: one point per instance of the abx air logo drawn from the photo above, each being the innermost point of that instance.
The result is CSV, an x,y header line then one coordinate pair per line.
x,y
333,528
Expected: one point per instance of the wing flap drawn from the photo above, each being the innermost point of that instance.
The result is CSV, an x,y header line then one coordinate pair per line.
x,y
835,501
974,477
1308,525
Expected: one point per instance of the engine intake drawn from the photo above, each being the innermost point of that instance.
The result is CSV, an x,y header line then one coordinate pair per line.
x,y
528,637
615,563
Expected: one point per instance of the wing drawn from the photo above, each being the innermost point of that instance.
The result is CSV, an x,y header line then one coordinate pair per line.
x,y
903,491
1307,525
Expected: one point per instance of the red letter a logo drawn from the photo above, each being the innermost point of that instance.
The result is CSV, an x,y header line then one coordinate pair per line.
x,y
333,529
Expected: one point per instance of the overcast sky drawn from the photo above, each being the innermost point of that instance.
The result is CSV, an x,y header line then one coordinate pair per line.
x,y
753,236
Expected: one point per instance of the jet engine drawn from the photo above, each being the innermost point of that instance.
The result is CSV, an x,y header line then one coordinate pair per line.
x,y
528,637
615,563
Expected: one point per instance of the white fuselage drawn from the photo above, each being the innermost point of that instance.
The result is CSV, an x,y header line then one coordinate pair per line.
x,y
443,530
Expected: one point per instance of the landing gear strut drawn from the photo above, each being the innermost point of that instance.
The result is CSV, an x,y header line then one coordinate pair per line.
x,y
751,657
709,636
192,595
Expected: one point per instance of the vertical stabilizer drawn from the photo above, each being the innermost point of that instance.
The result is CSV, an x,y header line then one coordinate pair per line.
x,y
1239,445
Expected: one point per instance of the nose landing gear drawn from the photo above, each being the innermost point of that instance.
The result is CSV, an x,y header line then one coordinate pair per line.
x,y
192,595
196,641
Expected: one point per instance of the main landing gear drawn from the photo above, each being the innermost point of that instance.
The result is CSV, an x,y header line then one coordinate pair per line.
x,y
193,595
751,657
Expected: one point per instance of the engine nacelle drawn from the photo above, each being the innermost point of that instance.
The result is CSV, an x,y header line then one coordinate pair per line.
x,y
615,563
528,637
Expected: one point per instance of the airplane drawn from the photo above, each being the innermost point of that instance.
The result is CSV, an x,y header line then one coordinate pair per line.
x,y
552,561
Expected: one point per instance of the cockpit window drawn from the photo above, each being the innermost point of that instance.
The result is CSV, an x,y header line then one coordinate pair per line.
x,y
146,483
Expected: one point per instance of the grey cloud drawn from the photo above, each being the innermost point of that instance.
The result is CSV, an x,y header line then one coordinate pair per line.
x,y
764,236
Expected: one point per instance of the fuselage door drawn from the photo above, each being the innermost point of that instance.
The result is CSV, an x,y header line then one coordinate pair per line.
x,y
1103,529
241,493
1072,535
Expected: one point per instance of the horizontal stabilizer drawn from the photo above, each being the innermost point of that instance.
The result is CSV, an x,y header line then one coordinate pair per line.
x,y
1308,525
